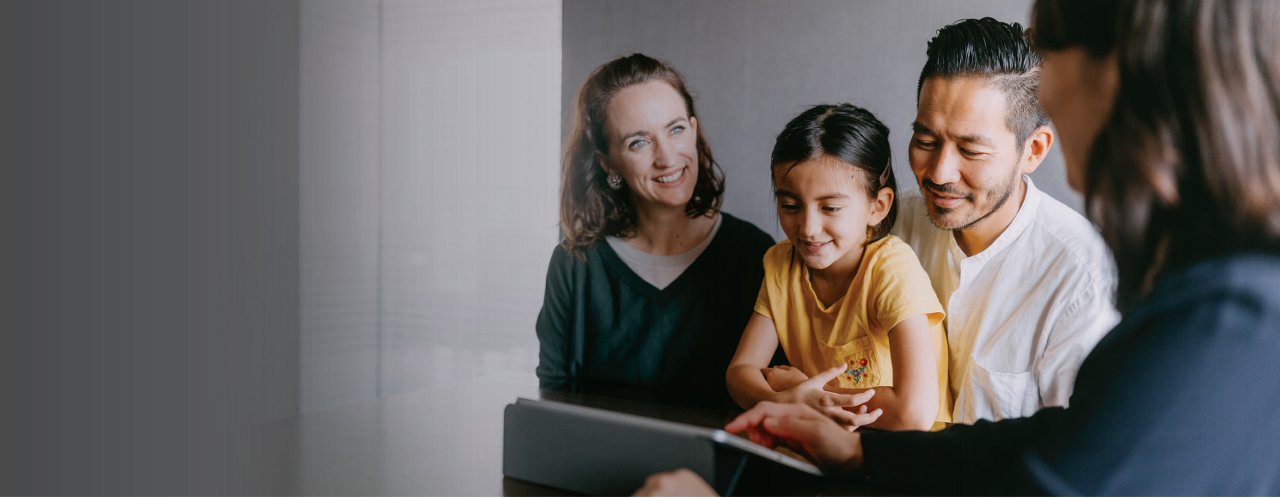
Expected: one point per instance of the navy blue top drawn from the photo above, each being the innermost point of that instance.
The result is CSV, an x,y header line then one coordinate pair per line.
x,y
601,324
1181,398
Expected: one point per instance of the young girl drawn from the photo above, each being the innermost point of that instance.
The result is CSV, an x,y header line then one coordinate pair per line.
x,y
850,304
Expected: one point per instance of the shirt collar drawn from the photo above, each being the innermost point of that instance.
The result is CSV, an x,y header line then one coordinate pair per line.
x,y
1025,217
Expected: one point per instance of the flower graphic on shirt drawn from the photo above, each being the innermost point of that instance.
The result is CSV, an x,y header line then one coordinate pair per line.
x,y
856,370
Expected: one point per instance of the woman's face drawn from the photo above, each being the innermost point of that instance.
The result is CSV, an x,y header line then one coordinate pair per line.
x,y
1078,92
653,145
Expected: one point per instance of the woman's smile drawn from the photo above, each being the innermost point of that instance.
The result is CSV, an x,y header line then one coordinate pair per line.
x,y
673,179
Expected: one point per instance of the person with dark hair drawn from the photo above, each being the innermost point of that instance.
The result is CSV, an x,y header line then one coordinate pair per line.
x,y
842,291
1169,112
1026,281
652,284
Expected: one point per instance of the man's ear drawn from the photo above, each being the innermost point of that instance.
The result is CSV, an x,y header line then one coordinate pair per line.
x,y
880,206
1036,148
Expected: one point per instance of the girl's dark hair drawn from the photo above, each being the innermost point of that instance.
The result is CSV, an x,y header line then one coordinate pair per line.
x,y
1188,165
589,209
847,133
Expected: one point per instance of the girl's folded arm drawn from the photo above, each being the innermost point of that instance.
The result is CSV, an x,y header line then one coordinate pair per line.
x,y
747,385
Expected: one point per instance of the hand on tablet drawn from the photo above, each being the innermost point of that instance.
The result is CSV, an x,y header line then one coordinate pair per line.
x,y
801,429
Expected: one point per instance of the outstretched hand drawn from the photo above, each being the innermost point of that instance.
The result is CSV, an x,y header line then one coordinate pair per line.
x,y
848,410
801,429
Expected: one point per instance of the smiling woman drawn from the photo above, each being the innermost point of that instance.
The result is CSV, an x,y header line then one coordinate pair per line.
x,y
652,284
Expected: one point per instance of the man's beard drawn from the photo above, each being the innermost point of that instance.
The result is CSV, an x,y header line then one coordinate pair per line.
x,y
1001,196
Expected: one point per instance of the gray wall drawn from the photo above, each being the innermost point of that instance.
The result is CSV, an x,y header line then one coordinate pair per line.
x,y
753,65
216,214
429,146
148,242
469,182
339,176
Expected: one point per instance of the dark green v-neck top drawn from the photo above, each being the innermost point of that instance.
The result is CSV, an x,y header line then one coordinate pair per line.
x,y
601,324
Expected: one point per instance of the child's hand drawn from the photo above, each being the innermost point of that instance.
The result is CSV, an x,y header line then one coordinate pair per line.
x,y
861,415
783,377
811,392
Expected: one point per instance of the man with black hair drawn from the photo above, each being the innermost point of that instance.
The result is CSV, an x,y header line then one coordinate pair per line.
x,y
1027,282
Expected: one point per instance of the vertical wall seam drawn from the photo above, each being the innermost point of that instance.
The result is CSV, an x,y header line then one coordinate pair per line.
x,y
377,333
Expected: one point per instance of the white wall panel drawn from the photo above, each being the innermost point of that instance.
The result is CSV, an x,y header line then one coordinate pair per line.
x,y
470,146
430,148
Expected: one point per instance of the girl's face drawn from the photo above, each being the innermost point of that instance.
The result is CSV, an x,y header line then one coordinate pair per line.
x,y
824,209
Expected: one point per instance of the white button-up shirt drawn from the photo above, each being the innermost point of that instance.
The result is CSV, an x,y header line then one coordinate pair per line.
x,y
1023,313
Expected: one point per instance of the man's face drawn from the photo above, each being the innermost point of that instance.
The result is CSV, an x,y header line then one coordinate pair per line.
x,y
966,159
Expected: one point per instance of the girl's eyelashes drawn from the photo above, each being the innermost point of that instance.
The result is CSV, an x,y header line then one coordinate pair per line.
x,y
637,144
791,207
677,129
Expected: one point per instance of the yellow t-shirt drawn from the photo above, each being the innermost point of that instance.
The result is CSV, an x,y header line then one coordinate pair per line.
x,y
890,287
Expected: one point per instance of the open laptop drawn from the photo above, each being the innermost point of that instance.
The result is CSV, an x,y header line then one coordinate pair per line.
x,y
600,452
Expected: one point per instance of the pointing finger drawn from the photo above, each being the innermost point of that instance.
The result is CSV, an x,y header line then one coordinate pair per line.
x,y
826,375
